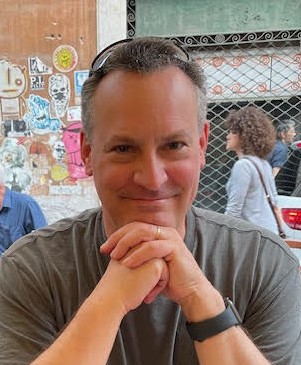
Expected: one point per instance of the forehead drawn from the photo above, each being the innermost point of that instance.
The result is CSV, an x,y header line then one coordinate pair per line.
x,y
133,103
130,90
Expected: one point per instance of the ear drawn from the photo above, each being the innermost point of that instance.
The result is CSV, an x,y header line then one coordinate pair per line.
x,y
85,150
283,135
203,141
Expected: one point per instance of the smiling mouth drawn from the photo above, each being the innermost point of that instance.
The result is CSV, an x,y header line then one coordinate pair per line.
x,y
150,196
148,199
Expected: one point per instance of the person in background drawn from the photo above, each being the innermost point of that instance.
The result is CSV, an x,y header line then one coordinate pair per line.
x,y
289,176
285,134
251,136
19,214
146,278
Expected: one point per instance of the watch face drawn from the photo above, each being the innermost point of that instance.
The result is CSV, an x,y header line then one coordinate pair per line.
x,y
228,302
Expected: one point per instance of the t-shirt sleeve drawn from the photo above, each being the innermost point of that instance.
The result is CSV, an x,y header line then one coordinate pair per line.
x,y
278,157
26,328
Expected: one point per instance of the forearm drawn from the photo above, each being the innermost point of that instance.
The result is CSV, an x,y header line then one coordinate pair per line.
x,y
89,337
230,347
279,215
275,170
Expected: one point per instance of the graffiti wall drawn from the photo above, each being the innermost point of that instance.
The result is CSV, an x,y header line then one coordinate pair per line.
x,y
42,70
40,123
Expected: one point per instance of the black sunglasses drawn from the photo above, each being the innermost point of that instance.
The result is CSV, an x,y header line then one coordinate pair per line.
x,y
100,60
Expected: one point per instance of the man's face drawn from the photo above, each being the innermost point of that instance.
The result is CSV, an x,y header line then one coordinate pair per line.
x,y
289,135
146,152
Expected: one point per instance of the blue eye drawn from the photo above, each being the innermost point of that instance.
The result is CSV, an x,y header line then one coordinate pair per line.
x,y
175,145
122,148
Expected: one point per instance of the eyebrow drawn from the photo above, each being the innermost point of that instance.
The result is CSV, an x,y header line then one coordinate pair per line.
x,y
126,139
123,139
177,135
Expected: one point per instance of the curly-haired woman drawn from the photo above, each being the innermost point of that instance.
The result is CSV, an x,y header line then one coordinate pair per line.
x,y
251,136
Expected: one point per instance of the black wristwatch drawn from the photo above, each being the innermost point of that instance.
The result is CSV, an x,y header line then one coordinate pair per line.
x,y
200,331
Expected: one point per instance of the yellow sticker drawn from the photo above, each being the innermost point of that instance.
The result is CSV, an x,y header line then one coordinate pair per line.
x,y
58,173
65,58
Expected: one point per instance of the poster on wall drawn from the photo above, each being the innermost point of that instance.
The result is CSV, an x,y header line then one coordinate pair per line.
x,y
37,82
79,78
37,67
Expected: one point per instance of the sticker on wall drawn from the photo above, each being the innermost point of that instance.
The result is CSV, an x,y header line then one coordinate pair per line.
x,y
37,82
71,139
39,165
37,67
65,58
58,148
12,86
38,116
13,158
15,128
74,113
79,78
59,91
59,172
38,156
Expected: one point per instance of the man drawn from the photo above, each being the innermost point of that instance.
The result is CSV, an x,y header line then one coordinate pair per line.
x,y
19,214
117,285
285,134
289,176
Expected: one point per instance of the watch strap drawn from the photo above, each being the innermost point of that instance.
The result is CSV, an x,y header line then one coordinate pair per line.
x,y
200,331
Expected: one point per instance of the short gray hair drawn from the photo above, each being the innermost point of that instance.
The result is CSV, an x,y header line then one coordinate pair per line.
x,y
143,55
284,126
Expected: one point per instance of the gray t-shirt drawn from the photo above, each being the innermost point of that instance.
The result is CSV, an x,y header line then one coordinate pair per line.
x,y
46,275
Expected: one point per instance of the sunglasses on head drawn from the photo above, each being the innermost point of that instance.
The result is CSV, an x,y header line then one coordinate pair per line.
x,y
100,60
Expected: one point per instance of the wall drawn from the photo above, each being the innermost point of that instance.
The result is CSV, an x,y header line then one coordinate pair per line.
x,y
111,22
43,62
45,52
196,17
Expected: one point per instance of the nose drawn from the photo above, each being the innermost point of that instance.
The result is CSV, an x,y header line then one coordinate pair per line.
x,y
150,172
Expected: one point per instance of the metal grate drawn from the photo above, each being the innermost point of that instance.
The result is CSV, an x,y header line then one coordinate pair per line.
x,y
262,69
259,68
212,193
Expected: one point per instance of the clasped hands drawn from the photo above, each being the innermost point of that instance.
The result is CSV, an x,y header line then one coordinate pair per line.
x,y
146,261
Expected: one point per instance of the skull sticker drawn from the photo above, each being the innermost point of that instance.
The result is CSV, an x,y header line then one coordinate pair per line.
x,y
59,91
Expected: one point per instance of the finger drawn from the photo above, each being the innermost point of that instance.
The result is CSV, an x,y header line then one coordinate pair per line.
x,y
136,232
132,239
148,251
112,241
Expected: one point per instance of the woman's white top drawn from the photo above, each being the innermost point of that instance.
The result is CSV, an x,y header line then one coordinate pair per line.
x,y
246,195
